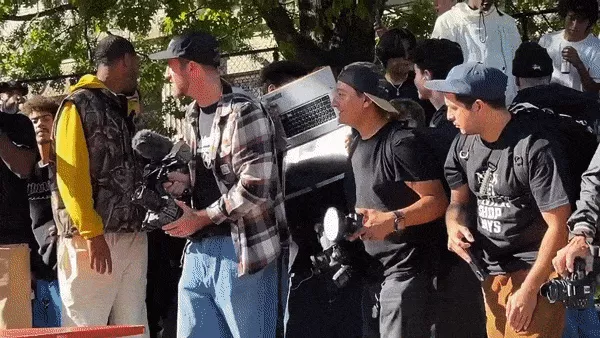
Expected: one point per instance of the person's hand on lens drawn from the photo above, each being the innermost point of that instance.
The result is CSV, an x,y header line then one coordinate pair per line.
x,y
565,257
178,183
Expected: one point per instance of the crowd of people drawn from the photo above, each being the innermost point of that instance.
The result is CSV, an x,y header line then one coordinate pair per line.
x,y
471,161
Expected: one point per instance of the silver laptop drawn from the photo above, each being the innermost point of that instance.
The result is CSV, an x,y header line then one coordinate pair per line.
x,y
302,108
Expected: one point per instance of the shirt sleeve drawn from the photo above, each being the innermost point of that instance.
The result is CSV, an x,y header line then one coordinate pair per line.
x,y
413,161
442,29
73,173
548,181
586,217
254,165
594,65
453,169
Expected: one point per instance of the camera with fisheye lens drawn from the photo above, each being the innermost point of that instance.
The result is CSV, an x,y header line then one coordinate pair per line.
x,y
348,259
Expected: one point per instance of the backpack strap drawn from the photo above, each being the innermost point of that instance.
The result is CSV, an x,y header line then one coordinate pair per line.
x,y
492,165
465,144
521,164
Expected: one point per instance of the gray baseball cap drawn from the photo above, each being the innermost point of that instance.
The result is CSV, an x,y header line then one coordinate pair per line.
x,y
472,79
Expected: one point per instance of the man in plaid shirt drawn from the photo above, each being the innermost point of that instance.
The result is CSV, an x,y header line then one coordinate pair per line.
x,y
229,281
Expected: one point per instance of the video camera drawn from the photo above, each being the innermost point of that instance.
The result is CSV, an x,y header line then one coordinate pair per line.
x,y
349,258
577,290
161,207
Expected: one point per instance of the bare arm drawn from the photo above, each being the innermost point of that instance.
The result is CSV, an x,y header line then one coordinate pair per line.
x,y
457,222
18,159
554,239
430,206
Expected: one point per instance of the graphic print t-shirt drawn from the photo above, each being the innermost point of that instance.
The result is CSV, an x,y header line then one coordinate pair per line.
x,y
509,222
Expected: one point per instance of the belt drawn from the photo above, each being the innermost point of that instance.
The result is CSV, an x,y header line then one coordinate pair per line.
x,y
212,231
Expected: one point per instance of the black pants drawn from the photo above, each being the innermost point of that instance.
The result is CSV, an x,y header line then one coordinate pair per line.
x,y
459,306
164,255
317,308
405,306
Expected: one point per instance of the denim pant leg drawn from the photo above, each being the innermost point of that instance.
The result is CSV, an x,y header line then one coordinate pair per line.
x,y
249,303
197,312
582,323
405,307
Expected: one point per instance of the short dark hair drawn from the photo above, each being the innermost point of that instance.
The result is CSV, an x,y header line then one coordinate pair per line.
x,y
499,103
438,56
111,49
279,73
409,110
395,43
582,8
40,104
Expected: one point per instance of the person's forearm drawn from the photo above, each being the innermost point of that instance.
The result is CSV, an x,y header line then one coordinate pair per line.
x,y
425,210
554,239
587,82
19,160
457,215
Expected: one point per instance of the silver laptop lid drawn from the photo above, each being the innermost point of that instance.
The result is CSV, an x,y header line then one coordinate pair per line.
x,y
302,108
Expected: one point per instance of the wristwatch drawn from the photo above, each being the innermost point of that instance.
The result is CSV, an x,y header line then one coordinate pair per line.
x,y
399,219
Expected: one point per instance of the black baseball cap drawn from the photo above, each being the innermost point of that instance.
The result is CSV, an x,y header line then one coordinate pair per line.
x,y
199,47
112,48
532,61
366,78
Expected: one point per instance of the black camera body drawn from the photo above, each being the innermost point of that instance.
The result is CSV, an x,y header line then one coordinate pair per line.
x,y
576,291
150,195
347,259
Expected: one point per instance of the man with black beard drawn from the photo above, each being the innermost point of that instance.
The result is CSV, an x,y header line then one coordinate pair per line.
x,y
17,151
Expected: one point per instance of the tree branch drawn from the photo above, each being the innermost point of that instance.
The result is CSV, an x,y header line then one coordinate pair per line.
x,y
47,12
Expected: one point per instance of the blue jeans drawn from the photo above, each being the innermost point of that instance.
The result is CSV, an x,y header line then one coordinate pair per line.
x,y
47,304
214,302
582,323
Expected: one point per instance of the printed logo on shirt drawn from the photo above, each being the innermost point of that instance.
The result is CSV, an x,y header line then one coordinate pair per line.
x,y
490,210
38,190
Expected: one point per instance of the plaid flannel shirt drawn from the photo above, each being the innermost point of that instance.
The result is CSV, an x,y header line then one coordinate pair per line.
x,y
245,166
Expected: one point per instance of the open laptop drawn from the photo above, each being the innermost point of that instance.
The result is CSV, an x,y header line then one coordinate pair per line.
x,y
302,108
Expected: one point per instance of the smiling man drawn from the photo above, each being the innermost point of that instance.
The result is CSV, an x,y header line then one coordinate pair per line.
x,y
399,193
575,51
520,218
41,112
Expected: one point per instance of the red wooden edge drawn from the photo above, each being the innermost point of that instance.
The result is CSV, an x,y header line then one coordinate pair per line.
x,y
76,332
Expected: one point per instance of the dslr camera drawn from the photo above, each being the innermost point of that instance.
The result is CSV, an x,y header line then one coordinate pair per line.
x,y
150,195
347,259
577,290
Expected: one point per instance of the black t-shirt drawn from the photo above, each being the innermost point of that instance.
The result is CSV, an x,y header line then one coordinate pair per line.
x,y
408,90
381,166
15,224
44,229
510,227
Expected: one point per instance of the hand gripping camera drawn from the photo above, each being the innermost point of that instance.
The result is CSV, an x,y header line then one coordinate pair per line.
x,y
576,291
349,258
161,207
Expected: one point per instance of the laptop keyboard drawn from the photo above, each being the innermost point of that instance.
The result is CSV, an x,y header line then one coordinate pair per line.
x,y
307,116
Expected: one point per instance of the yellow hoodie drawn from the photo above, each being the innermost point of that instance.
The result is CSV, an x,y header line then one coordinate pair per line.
x,y
73,171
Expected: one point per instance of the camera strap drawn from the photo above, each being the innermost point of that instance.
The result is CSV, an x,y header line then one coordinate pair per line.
x,y
492,165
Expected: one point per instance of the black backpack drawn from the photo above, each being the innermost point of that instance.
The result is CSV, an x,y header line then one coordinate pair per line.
x,y
576,138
